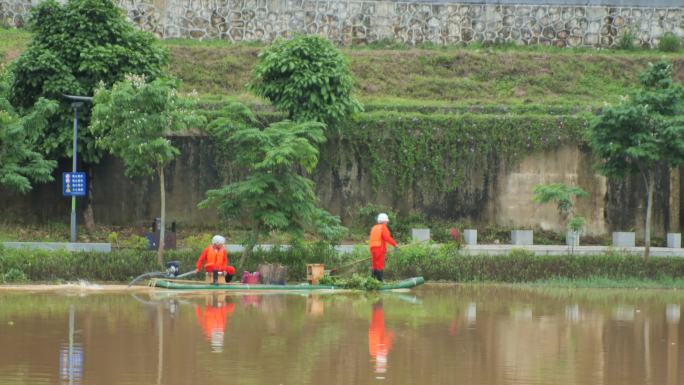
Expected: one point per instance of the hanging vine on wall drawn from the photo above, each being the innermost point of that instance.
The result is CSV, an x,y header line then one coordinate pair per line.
x,y
398,150
438,150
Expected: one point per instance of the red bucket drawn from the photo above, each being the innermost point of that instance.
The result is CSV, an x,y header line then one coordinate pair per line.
x,y
250,278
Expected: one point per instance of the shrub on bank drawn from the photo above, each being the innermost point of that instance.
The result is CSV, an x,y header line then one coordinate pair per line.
x,y
449,263
446,262
123,265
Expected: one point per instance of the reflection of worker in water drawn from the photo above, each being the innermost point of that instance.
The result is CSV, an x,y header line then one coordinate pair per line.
x,y
213,321
379,339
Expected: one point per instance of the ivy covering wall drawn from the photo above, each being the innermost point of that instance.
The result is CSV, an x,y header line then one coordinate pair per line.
x,y
440,151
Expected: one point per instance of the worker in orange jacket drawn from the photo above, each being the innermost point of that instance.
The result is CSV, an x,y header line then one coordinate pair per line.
x,y
379,238
214,259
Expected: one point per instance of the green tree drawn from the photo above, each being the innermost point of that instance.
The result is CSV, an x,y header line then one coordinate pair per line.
x,y
562,195
273,196
132,121
20,161
308,78
77,46
642,133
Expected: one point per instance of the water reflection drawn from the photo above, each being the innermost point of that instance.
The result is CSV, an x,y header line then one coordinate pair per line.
x,y
672,313
213,317
521,337
471,313
71,355
379,340
315,306
572,313
624,313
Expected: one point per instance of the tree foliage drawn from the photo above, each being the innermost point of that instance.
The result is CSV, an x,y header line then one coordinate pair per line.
x,y
76,47
559,193
132,121
643,132
20,161
645,129
308,78
273,195
562,195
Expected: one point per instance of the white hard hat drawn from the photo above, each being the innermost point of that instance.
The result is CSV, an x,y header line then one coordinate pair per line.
x,y
218,240
383,218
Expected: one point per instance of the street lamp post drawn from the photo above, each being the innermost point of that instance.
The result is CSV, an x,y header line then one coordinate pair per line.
x,y
76,104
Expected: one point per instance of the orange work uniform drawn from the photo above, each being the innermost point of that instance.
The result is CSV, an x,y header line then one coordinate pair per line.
x,y
214,259
379,238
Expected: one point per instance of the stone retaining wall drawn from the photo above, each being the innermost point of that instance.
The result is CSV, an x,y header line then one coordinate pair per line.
x,y
500,194
415,22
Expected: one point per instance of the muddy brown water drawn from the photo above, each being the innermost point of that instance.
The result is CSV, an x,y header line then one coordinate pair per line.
x,y
436,334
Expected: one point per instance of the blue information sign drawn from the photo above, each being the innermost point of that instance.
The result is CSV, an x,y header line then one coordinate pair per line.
x,y
74,184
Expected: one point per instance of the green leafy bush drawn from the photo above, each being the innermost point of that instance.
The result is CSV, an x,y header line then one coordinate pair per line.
x,y
433,262
137,243
627,40
14,276
669,42
307,77
113,238
198,242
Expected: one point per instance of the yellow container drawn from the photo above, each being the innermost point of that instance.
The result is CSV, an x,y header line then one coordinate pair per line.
x,y
314,272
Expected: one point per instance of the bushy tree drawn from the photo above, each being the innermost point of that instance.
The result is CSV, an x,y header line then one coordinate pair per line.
x,y
273,196
20,161
132,121
307,77
643,132
562,195
77,46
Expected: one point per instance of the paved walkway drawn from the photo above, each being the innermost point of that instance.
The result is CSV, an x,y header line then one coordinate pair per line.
x,y
536,249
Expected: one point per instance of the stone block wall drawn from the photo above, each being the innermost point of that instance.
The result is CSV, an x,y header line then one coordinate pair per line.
x,y
413,22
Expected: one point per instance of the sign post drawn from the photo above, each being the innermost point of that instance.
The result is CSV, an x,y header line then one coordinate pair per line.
x,y
76,180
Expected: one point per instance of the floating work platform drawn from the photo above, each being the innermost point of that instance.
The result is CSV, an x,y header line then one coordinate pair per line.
x,y
189,285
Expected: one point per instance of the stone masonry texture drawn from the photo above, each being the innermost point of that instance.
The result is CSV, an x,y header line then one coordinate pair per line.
x,y
554,22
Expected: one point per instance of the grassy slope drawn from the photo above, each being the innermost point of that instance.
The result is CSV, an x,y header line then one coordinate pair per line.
x,y
438,77
12,42
447,76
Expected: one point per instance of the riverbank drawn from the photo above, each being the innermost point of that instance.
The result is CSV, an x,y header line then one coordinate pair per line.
x,y
442,263
553,285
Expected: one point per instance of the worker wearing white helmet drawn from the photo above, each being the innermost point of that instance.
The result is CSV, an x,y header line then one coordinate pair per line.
x,y
379,238
214,259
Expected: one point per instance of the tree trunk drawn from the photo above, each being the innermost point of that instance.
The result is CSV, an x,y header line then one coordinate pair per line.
x,y
674,206
162,227
249,247
88,215
649,208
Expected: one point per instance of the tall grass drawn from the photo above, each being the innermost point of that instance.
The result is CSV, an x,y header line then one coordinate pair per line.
x,y
446,263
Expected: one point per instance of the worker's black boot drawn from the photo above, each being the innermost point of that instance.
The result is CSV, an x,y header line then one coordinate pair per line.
x,y
215,281
229,277
380,275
